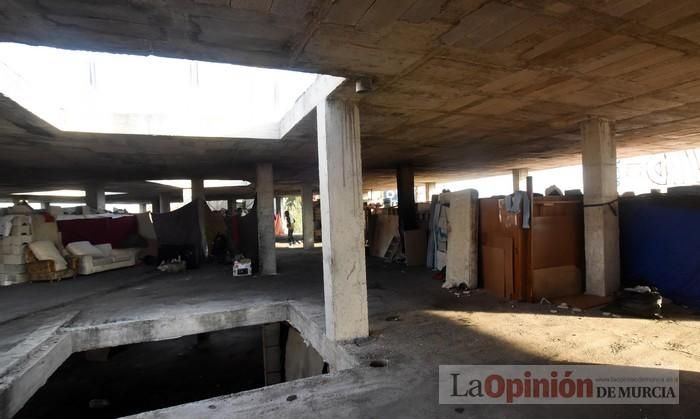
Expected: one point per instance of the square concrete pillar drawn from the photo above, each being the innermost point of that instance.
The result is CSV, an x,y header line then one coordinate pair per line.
x,y
164,203
95,196
407,198
307,215
342,220
265,190
198,189
278,205
519,179
602,232
143,207
430,191
155,206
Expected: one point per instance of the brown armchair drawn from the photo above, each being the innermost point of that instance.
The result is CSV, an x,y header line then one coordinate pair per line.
x,y
45,270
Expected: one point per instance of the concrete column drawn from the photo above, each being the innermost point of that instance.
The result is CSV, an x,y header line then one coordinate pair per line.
x,y
198,189
519,179
231,205
45,205
342,219
278,205
266,228
164,203
95,196
307,215
602,232
142,207
430,191
155,206
407,201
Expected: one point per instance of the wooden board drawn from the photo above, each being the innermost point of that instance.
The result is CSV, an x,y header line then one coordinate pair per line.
x,y
386,228
415,246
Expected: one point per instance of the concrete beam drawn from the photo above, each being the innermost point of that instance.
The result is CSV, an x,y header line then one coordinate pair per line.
x,y
316,93
95,196
519,179
266,229
342,219
307,215
602,232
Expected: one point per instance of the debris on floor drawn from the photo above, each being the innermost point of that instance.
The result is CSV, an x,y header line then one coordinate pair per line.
x,y
174,266
641,301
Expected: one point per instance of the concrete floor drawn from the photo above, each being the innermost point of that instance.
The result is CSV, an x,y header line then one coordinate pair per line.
x,y
434,327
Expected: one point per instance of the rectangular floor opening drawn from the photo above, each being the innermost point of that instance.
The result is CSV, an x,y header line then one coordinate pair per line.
x,y
129,379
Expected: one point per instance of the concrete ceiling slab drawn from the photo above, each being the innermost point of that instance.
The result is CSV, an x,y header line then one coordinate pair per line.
x,y
462,87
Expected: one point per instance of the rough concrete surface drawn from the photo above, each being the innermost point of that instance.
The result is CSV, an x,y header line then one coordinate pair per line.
x,y
434,327
461,87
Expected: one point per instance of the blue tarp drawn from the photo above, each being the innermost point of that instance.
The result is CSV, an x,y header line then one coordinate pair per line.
x,y
660,245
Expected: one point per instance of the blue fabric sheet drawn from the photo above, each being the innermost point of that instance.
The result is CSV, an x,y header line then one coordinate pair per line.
x,y
660,245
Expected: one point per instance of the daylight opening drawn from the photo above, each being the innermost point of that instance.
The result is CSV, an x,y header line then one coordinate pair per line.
x,y
67,193
99,92
208,183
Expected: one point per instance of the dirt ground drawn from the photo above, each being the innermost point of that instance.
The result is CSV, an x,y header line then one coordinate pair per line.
x,y
415,326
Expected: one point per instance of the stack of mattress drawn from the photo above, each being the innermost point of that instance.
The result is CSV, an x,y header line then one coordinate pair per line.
x,y
15,234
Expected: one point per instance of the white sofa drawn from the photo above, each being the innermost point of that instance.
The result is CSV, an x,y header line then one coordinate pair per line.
x,y
101,257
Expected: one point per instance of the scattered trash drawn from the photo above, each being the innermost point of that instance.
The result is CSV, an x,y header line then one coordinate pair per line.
x,y
641,301
576,310
641,289
545,301
563,306
617,316
174,266
98,403
211,406
242,267
292,398
606,313
553,311
393,318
